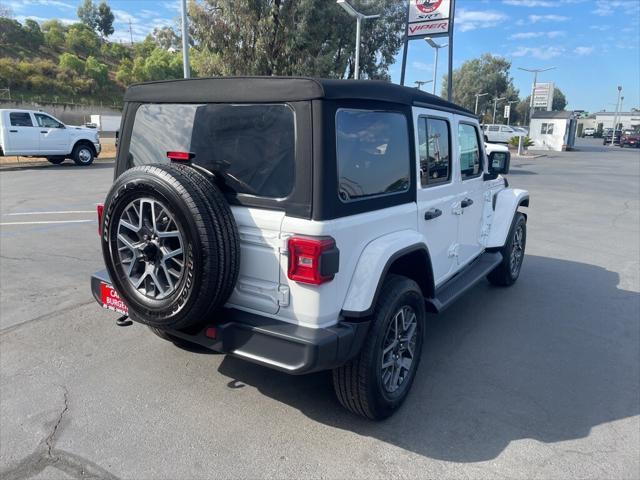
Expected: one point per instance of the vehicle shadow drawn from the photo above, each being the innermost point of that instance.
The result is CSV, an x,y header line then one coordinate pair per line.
x,y
548,359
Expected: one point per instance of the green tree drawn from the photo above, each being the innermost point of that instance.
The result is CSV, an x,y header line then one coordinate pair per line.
x,y
162,65
303,37
143,49
81,40
11,32
70,63
487,74
96,71
88,14
54,32
105,19
124,75
33,32
114,50
165,37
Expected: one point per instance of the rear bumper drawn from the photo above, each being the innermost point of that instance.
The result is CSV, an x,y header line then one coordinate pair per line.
x,y
273,343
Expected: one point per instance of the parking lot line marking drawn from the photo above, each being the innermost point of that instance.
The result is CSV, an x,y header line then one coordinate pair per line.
x,y
62,212
45,222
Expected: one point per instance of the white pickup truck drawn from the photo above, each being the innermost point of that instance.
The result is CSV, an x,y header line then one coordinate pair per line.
x,y
32,133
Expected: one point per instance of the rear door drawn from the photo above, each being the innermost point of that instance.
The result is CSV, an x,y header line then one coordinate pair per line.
x,y
53,136
436,191
21,135
506,133
493,133
471,161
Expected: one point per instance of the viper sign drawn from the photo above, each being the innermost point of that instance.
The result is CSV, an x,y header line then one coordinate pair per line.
x,y
428,18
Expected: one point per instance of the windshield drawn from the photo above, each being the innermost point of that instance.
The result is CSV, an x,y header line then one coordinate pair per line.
x,y
251,147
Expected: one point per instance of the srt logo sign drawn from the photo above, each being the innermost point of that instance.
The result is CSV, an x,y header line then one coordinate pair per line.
x,y
426,9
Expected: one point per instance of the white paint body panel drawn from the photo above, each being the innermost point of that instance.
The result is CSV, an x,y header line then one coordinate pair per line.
x,y
506,205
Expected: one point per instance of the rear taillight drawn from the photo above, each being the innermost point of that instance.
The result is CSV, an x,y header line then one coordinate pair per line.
x,y
180,156
100,210
313,260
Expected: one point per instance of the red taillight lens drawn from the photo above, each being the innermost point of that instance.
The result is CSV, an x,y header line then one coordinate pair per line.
x,y
313,260
100,210
180,156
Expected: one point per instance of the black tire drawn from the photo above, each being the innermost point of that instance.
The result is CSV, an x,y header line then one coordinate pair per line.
x,y
205,233
219,207
83,154
506,273
56,160
359,384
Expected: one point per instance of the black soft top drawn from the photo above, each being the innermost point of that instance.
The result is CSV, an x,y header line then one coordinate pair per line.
x,y
281,89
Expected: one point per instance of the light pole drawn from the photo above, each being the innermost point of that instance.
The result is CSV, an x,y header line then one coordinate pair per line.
x,y
185,41
535,72
419,83
437,48
495,105
359,17
509,116
615,117
478,95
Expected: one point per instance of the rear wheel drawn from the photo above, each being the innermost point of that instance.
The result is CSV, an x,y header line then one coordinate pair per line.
x,y
83,154
56,160
377,381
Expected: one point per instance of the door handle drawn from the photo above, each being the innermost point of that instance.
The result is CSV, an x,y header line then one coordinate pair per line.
x,y
44,131
13,131
466,203
433,213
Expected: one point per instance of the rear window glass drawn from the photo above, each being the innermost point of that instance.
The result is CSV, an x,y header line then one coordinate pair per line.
x,y
372,150
20,119
252,147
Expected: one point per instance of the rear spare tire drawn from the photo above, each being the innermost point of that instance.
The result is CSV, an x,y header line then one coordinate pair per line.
x,y
169,251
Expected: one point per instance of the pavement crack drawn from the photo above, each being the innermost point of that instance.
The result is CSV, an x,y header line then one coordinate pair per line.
x,y
49,440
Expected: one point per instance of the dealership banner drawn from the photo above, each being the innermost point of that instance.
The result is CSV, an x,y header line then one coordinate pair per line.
x,y
543,95
428,18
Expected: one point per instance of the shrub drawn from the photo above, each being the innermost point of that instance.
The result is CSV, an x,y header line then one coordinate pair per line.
x,y
526,142
81,40
71,63
96,71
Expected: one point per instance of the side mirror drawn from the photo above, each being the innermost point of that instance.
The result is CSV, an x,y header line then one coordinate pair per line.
x,y
498,164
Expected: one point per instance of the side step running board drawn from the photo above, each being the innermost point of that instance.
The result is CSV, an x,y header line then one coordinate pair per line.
x,y
463,281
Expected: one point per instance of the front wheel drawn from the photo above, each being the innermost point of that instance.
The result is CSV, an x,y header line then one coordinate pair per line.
x,y
83,155
508,271
378,380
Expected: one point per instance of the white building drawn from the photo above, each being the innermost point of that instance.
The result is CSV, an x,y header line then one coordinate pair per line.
x,y
627,119
553,130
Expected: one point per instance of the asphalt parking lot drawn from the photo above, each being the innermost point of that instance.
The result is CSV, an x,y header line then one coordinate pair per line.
x,y
541,380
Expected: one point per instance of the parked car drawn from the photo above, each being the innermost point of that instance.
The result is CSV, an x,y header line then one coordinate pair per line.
x,y
606,138
31,133
630,139
305,224
501,133
524,130
588,132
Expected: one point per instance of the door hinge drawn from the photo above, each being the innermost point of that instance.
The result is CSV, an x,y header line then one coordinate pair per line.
x,y
454,250
283,296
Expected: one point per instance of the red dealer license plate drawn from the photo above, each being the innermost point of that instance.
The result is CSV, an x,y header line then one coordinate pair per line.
x,y
111,299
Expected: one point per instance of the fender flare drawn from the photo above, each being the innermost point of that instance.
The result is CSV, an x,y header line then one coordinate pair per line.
x,y
506,203
373,265
84,140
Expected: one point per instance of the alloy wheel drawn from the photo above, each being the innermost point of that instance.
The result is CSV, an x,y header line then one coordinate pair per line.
x,y
398,348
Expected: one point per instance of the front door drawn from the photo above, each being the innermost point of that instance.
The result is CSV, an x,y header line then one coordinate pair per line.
x,y
54,137
436,192
471,192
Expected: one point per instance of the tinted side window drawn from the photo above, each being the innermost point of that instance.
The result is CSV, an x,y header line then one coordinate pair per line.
x,y
252,147
493,129
372,149
470,159
435,160
20,119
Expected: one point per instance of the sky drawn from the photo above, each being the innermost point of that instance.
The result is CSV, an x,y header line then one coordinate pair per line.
x,y
594,45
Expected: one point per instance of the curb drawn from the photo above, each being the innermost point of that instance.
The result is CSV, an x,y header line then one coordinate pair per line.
x,y
46,164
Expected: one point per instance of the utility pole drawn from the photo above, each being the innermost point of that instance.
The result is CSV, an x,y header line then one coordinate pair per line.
x,y
185,41
359,17
478,95
615,117
130,32
535,72
437,48
495,105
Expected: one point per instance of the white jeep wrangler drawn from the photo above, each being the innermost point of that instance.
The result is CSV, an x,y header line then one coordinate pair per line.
x,y
304,224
